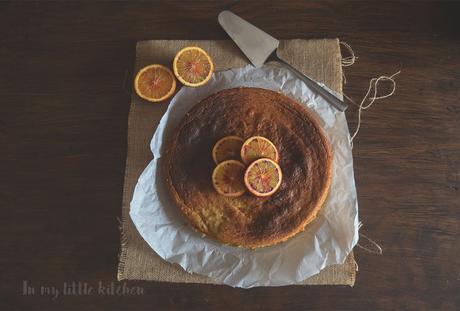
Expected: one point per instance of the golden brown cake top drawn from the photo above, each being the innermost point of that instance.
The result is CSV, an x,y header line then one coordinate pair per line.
x,y
249,221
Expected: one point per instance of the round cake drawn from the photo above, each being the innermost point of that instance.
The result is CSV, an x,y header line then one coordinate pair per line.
x,y
248,221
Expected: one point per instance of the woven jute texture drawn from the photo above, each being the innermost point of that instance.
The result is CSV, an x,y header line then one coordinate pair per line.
x,y
320,59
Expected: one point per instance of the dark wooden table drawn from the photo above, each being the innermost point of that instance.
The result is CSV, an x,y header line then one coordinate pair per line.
x,y
63,119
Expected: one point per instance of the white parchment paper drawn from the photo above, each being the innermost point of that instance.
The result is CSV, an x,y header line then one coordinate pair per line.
x,y
326,241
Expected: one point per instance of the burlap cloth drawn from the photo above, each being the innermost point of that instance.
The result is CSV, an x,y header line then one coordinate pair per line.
x,y
320,59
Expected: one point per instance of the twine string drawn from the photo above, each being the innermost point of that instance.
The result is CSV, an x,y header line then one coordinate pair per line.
x,y
373,86
372,248
347,60
351,59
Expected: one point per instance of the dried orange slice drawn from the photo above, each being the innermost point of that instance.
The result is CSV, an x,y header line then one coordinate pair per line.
x,y
263,177
227,178
258,147
227,148
193,66
155,83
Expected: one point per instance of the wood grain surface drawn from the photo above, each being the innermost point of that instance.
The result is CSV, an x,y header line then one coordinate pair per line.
x,y
63,113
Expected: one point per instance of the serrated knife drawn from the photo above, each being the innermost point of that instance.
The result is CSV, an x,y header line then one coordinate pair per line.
x,y
259,47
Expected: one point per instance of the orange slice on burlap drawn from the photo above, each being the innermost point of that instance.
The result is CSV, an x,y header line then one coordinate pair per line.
x,y
155,83
193,66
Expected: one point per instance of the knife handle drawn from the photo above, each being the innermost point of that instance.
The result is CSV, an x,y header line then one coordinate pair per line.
x,y
330,98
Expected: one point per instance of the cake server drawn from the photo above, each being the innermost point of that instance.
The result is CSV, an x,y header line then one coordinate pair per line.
x,y
259,47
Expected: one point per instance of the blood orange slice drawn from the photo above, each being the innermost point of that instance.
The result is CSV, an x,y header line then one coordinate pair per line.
x,y
193,66
258,147
263,177
155,83
227,148
228,178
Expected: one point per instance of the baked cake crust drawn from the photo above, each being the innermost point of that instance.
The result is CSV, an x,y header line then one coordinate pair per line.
x,y
249,221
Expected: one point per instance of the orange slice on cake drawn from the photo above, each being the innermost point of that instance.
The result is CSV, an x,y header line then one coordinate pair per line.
x,y
258,147
193,66
263,177
227,148
228,178
155,83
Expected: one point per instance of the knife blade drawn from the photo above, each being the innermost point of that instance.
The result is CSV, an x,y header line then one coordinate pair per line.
x,y
256,44
259,46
